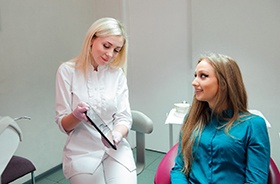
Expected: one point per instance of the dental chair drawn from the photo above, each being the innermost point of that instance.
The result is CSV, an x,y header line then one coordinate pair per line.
x,y
12,167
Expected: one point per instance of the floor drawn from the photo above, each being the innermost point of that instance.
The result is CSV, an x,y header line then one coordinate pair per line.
x,y
152,160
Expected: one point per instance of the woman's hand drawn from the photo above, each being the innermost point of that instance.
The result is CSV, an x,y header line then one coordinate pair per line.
x,y
79,111
118,133
117,137
70,121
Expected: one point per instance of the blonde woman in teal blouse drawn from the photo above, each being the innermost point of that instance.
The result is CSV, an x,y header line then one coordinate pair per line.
x,y
220,141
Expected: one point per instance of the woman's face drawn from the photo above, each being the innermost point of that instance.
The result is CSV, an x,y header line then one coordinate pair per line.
x,y
105,49
205,83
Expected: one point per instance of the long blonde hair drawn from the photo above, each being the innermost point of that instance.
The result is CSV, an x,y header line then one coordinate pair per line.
x,y
231,92
101,28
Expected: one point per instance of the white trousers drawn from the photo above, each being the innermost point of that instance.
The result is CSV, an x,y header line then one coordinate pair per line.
x,y
108,172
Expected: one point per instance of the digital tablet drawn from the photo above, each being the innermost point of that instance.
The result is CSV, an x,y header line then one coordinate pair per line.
x,y
101,127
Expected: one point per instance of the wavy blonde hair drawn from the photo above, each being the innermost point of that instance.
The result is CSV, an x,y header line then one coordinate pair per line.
x,y
231,92
101,28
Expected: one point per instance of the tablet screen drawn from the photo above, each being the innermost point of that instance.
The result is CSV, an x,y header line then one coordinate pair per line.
x,y
100,126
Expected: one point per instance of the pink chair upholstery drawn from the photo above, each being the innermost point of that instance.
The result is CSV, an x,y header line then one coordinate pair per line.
x,y
162,175
163,171
274,175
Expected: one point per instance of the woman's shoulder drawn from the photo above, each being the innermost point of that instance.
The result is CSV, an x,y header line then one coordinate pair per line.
x,y
113,69
66,70
67,66
116,71
253,120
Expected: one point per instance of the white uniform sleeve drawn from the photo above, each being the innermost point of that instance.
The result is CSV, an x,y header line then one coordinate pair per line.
x,y
63,93
123,115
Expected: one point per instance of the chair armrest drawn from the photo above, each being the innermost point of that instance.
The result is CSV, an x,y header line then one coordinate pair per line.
x,y
141,122
142,125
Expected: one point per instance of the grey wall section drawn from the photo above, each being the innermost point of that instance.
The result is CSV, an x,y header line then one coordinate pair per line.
x,y
159,72
35,37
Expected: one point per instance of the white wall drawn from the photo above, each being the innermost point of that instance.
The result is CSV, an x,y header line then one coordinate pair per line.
x,y
35,37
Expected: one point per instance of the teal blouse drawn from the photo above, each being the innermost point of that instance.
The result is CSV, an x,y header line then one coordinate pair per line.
x,y
241,157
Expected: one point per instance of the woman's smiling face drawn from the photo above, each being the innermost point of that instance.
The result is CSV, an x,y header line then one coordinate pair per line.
x,y
205,83
105,49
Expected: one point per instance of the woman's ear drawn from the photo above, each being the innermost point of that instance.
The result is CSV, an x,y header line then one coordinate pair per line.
x,y
92,40
223,84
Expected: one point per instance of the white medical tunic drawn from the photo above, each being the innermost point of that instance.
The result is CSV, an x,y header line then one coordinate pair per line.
x,y
107,92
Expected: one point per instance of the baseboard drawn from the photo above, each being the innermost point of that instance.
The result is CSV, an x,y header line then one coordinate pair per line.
x,y
45,174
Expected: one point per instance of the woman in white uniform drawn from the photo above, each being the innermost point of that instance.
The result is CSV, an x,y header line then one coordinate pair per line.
x,y
95,78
